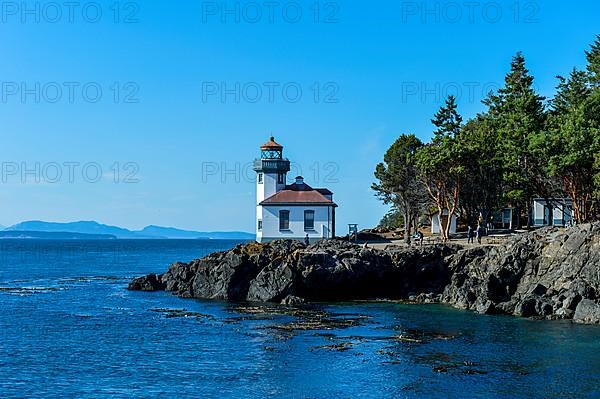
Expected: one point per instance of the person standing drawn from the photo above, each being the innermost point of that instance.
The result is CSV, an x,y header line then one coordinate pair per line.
x,y
306,240
479,233
470,235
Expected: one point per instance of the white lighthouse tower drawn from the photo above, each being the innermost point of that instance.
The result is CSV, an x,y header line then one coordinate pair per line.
x,y
271,172
295,211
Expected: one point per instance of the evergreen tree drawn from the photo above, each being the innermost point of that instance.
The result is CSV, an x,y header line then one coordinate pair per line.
x,y
447,121
593,108
480,186
571,93
517,114
440,163
571,142
593,58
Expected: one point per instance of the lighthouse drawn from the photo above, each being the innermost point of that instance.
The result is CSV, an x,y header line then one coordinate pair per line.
x,y
292,211
271,170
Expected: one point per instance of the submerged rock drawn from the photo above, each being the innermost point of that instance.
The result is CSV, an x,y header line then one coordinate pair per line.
x,y
550,273
292,300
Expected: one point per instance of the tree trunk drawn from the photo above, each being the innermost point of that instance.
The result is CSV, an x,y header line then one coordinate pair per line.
x,y
571,188
440,222
448,224
416,222
452,209
407,225
528,209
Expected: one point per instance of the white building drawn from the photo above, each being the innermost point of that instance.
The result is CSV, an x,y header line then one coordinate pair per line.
x,y
553,212
435,222
289,211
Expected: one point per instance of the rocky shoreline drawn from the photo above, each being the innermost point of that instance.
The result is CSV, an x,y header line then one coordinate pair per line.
x,y
547,274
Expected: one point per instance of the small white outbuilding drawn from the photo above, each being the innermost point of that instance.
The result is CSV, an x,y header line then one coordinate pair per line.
x,y
552,212
435,222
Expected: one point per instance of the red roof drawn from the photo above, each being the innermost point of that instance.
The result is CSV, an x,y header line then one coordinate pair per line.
x,y
300,193
294,197
324,191
271,145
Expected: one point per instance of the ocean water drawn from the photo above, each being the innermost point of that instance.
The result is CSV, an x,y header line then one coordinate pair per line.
x,y
70,329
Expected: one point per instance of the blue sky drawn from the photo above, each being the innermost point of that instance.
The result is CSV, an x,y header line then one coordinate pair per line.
x,y
369,74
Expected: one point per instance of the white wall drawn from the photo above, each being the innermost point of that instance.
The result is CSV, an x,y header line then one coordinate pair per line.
x,y
538,213
268,187
558,216
270,218
259,216
435,224
264,190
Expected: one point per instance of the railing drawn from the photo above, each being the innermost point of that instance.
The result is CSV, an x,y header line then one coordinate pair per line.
x,y
272,164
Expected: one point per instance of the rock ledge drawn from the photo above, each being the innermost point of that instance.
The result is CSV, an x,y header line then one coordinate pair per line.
x,y
549,274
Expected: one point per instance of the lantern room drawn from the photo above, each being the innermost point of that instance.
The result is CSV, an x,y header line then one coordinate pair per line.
x,y
271,150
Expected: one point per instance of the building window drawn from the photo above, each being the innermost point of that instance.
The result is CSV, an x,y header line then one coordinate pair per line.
x,y
260,225
271,154
280,178
284,220
309,220
260,178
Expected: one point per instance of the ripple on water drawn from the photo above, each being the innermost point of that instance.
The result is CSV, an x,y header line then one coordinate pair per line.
x,y
29,290
80,333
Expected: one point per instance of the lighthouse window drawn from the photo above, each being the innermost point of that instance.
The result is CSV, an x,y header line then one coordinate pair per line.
x,y
280,178
260,178
309,220
284,220
260,225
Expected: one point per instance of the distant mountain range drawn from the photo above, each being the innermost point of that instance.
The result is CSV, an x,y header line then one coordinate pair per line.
x,y
106,231
53,235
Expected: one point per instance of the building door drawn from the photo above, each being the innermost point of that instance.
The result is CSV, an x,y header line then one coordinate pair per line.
x,y
548,215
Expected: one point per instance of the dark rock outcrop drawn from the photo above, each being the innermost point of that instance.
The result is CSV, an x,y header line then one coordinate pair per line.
x,y
550,273
543,274
330,270
587,312
148,283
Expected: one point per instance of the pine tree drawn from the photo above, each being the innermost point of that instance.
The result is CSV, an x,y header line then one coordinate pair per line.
x,y
593,58
571,142
593,108
447,121
571,92
517,114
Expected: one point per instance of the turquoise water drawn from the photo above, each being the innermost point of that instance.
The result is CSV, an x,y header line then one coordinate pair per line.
x,y
70,329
